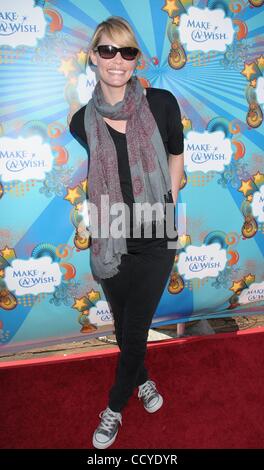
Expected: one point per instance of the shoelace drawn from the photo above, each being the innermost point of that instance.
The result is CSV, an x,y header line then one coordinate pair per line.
x,y
108,420
147,390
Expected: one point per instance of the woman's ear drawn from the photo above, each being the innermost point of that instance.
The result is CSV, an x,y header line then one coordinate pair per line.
x,y
92,59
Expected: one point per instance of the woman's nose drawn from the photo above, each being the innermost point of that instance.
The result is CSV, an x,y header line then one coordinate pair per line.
x,y
118,57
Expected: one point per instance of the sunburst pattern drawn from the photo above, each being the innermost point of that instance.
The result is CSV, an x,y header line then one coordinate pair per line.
x,y
38,90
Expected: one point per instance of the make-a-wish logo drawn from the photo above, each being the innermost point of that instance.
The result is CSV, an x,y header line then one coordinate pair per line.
x,y
202,261
33,276
85,85
21,23
24,158
258,204
207,151
205,30
255,293
101,314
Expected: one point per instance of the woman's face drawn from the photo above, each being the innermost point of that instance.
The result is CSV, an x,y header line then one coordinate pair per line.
x,y
113,72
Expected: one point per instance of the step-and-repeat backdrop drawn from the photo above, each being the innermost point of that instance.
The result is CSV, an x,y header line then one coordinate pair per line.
x,y
210,55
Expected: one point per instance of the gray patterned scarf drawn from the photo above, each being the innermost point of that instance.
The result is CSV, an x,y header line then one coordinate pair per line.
x,y
148,163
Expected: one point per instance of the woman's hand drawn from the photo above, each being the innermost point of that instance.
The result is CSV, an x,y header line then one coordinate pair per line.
x,y
176,167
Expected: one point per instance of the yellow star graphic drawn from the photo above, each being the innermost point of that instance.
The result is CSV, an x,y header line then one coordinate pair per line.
x,y
184,240
258,179
81,303
66,67
170,7
176,20
260,62
82,57
245,187
8,253
249,70
249,279
93,296
84,185
237,285
78,206
187,124
73,195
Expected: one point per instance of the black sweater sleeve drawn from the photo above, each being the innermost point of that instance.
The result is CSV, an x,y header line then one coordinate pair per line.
x,y
174,126
77,129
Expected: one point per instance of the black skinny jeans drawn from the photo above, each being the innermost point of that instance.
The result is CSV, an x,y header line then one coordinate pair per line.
x,y
134,294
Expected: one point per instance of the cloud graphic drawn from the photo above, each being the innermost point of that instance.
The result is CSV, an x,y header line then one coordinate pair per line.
x,y
260,90
205,30
24,158
207,151
255,293
33,276
85,85
101,314
202,261
258,204
21,23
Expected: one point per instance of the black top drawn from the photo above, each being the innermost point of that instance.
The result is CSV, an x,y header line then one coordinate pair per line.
x,y
166,112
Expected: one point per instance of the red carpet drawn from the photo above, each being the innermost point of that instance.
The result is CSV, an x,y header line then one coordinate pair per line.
x,y
213,390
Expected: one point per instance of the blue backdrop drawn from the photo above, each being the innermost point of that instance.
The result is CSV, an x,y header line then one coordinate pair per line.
x,y
210,55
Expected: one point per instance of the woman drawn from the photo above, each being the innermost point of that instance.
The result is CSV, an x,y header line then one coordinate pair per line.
x,y
135,139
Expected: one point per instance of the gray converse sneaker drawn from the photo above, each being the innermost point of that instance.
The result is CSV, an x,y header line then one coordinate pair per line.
x,y
152,400
107,430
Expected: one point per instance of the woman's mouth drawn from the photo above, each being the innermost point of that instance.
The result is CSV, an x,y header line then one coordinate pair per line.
x,y
116,72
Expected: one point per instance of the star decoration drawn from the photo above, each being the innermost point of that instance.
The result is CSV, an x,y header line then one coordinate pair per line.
x,y
84,185
81,303
258,179
66,67
170,7
93,296
184,240
237,285
249,279
8,253
260,62
187,124
176,20
249,70
73,195
245,187
79,206
82,57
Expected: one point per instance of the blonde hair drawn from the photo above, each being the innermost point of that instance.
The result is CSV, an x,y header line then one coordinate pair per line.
x,y
118,29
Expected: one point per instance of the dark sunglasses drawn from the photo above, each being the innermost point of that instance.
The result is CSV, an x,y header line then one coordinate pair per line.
x,y
109,52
